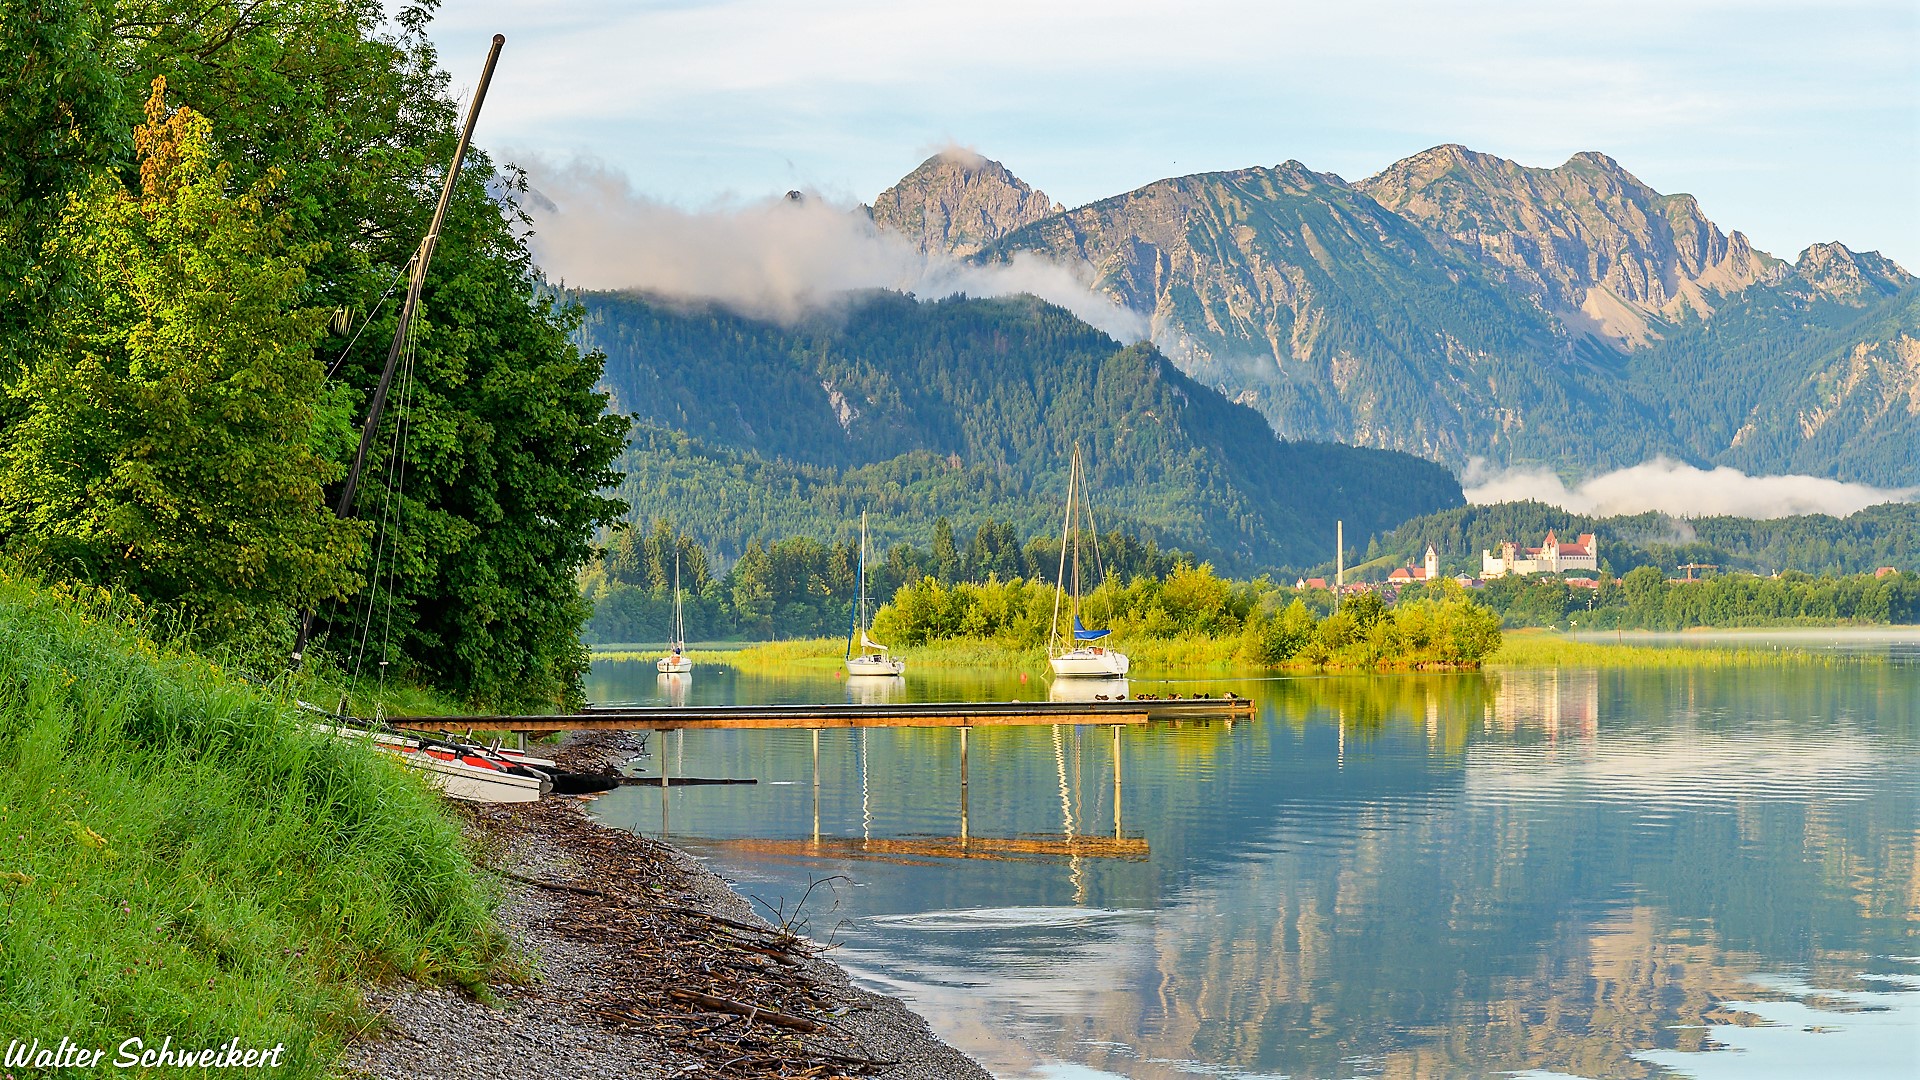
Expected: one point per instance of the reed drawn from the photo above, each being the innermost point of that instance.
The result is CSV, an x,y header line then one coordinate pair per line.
x,y
1546,649
186,858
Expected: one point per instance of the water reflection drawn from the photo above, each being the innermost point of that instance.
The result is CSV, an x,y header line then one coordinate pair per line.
x,y
876,689
673,687
1087,690
1574,873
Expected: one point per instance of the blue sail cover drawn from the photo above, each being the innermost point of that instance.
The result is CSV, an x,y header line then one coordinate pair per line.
x,y
1081,633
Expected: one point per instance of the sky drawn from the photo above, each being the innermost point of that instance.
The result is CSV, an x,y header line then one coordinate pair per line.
x,y
1792,122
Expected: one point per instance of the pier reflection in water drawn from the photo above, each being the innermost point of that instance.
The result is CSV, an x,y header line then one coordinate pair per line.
x,y
1576,873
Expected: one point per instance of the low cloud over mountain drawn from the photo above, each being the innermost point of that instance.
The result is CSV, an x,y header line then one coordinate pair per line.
x,y
778,258
1680,490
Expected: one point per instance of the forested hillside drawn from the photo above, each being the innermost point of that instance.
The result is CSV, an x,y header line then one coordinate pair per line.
x,y
968,409
1887,535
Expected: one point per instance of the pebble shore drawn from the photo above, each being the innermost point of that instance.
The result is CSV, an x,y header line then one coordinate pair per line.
x,y
642,958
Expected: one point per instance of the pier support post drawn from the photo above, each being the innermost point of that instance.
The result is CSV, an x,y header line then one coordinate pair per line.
x,y
963,785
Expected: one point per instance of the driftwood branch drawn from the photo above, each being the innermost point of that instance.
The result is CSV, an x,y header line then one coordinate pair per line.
x,y
741,1008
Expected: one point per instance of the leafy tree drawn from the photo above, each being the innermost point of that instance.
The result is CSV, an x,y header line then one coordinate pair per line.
x,y
172,423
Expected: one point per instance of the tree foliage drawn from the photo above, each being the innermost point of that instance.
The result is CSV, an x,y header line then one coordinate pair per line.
x,y
172,420
335,122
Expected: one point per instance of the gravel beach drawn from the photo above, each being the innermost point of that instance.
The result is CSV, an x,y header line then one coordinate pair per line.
x,y
646,965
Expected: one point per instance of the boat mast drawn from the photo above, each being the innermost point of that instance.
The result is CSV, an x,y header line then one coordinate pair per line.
x,y
679,620
408,309
863,581
1060,578
1074,509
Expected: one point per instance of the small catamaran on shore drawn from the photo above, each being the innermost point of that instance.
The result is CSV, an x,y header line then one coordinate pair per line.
x,y
873,658
677,662
1080,658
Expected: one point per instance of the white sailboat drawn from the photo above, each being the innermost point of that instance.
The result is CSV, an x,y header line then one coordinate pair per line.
x,y
1081,657
676,663
872,658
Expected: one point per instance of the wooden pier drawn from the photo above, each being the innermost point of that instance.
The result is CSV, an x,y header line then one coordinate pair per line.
x,y
1130,711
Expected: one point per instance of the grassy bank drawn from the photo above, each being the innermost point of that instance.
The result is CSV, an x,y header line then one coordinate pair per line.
x,y
1545,649
184,859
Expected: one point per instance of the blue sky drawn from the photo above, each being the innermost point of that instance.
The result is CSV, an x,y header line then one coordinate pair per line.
x,y
1793,122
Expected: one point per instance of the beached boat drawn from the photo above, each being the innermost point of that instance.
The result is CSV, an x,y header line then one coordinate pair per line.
x,y
1080,656
677,662
872,658
472,773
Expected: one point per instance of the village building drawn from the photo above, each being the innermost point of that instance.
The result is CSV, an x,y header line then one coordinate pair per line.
x,y
1551,557
1430,571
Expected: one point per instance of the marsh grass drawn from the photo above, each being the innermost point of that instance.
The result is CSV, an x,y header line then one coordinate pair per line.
x,y
183,857
1545,649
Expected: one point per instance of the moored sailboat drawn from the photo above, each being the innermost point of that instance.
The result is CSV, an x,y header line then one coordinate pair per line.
x,y
676,662
872,658
1081,656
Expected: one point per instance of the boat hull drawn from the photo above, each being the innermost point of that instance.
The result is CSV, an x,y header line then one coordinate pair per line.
x,y
673,665
1090,663
883,666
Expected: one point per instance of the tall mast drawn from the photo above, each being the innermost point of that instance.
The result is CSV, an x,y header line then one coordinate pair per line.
x,y
1073,508
679,621
408,309
1066,521
863,580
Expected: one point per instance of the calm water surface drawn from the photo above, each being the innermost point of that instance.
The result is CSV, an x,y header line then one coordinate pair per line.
x,y
1539,874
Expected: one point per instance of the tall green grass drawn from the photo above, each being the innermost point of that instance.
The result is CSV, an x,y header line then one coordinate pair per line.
x,y
180,856
1538,648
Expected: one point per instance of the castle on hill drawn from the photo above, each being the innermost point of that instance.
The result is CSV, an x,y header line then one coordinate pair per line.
x,y
1551,557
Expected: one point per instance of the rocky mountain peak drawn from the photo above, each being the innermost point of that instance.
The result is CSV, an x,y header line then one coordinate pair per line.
x,y
958,202
1593,245
1851,276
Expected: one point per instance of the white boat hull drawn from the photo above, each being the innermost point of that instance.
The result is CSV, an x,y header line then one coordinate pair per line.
x,y
673,665
883,666
1090,663
456,779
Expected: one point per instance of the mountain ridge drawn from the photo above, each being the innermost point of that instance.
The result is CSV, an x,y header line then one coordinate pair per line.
x,y
1458,305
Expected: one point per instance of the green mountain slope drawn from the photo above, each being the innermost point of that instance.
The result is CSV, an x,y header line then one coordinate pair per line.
x,y
968,409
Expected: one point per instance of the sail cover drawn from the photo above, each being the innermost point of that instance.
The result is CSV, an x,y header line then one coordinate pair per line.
x,y
867,642
1081,633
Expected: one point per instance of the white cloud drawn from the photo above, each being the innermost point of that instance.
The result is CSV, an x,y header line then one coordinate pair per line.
x,y
1679,490
777,257
1791,120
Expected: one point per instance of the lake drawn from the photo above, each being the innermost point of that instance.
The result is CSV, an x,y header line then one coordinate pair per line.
x,y
1700,873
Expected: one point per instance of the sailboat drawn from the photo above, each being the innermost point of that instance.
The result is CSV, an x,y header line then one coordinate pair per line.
x,y
873,658
676,663
1081,657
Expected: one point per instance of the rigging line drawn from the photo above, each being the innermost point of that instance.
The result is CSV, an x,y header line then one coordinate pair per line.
x,y
378,304
380,545
403,422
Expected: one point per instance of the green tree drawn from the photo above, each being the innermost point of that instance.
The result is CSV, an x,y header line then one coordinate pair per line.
x,y
172,423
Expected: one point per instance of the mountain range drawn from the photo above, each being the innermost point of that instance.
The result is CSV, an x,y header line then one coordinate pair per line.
x,y
1457,306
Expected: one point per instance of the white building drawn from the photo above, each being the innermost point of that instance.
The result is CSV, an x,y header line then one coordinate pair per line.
x,y
1551,557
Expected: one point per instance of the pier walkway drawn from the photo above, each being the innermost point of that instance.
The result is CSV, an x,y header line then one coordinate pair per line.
x,y
802,717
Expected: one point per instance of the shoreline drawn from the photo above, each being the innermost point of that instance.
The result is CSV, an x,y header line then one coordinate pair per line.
x,y
648,965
